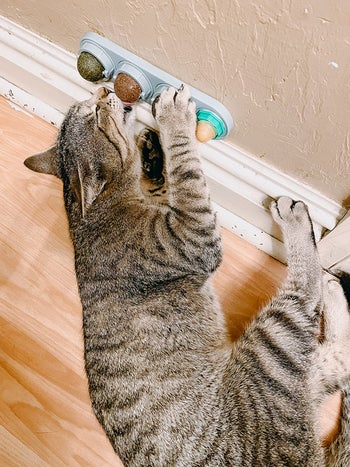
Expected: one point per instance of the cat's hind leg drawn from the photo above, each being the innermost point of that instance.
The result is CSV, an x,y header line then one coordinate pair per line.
x,y
276,351
331,370
335,311
338,453
332,357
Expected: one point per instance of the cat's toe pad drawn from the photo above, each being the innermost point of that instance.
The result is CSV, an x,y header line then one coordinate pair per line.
x,y
175,107
285,210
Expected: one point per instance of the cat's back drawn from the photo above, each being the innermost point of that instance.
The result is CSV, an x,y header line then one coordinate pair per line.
x,y
154,374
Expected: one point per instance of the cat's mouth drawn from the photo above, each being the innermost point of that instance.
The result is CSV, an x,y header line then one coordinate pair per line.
x,y
104,96
127,110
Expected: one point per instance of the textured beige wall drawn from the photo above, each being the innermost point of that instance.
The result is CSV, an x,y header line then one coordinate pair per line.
x,y
282,67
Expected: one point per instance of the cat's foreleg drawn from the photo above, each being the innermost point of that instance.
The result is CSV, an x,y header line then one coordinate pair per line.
x,y
191,220
175,114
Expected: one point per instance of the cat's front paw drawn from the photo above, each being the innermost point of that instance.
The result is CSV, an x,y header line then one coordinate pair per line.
x,y
174,110
287,212
152,159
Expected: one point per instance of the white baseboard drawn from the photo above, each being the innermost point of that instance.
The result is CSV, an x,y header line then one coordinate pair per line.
x,y
42,78
334,248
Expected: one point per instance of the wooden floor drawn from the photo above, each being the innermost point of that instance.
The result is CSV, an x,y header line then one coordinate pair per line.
x,y
45,414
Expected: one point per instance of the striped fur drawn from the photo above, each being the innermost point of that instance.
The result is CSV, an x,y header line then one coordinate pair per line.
x,y
165,384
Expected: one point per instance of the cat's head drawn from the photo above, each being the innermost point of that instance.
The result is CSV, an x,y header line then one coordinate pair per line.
x,y
93,143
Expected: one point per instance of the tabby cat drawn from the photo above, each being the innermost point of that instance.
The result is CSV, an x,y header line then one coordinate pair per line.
x,y
165,383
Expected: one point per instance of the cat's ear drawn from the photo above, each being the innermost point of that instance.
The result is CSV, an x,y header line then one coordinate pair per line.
x,y
90,183
44,162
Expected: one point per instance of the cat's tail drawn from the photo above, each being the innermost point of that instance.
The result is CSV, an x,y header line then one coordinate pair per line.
x,y
338,454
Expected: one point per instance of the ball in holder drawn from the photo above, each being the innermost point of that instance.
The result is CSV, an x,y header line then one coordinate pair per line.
x,y
127,89
89,67
209,126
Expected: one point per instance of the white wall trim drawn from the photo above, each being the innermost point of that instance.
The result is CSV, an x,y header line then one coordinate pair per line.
x,y
42,78
334,247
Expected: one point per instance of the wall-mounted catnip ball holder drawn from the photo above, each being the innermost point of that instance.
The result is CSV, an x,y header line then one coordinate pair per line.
x,y
135,79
